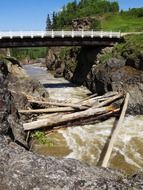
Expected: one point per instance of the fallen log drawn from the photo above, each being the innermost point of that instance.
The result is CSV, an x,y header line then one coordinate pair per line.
x,y
49,122
68,109
47,115
56,104
105,97
52,110
115,133
84,121
87,98
105,101
109,100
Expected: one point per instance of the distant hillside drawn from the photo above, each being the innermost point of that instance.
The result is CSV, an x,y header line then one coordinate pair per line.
x,y
123,21
106,14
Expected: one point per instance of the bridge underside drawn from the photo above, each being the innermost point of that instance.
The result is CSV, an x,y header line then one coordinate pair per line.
x,y
57,41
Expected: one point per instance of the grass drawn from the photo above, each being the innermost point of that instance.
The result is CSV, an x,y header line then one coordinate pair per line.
x,y
42,139
123,23
130,49
133,45
135,40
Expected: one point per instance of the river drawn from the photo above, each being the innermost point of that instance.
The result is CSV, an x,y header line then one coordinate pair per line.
x,y
86,143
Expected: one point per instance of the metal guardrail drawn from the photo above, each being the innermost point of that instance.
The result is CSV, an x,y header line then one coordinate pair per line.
x,y
62,34
130,33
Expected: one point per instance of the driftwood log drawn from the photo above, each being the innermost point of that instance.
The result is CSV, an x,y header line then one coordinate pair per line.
x,y
52,110
66,118
115,133
96,104
84,121
76,106
99,107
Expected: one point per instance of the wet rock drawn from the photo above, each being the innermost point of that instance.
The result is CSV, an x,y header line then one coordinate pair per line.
x,y
52,59
13,60
59,71
67,74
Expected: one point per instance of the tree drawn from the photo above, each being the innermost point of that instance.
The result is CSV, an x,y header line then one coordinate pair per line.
x,y
114,7
48,23
54,20
85,8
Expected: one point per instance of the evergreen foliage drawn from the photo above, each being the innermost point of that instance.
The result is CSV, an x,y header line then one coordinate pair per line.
x,y
138,12
30,53
106,15
48,23
84,8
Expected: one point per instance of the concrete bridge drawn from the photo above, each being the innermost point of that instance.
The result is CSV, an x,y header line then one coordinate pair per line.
x,y
58,38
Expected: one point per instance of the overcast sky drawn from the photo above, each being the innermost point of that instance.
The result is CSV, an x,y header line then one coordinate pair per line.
x,y
31,14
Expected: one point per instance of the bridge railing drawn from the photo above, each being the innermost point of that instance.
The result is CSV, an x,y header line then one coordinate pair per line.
x,y
62,33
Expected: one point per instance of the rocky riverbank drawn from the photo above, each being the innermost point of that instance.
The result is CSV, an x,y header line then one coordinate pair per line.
x,y
22,169
104,69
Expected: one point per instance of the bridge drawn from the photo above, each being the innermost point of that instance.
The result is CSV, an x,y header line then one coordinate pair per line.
x,y
12,39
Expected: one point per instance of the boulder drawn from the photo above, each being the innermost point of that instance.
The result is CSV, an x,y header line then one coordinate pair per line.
x,y
21,169
82,23
115,75
24,170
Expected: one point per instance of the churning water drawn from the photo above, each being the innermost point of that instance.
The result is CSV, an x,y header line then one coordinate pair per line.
x,y
86,143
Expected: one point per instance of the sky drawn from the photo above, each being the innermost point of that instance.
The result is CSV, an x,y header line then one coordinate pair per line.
x,y
31,14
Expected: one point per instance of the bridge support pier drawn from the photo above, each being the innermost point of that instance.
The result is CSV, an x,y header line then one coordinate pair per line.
x,y
85,60
8,52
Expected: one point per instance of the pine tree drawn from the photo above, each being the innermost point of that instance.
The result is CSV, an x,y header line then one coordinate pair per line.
x,y
48,23
54,20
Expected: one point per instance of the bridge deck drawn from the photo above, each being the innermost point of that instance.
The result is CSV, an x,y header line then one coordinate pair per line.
x,y
62,33
57,38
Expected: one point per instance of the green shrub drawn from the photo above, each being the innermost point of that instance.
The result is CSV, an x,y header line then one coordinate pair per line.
x,y
130,49
41,138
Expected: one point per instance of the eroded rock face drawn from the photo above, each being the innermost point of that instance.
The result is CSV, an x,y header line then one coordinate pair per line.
x,y
21,85
25,86
9,117
117,76
82,23
4,100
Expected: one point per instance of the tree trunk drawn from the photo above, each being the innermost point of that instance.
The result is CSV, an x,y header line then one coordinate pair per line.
x,y
53,121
